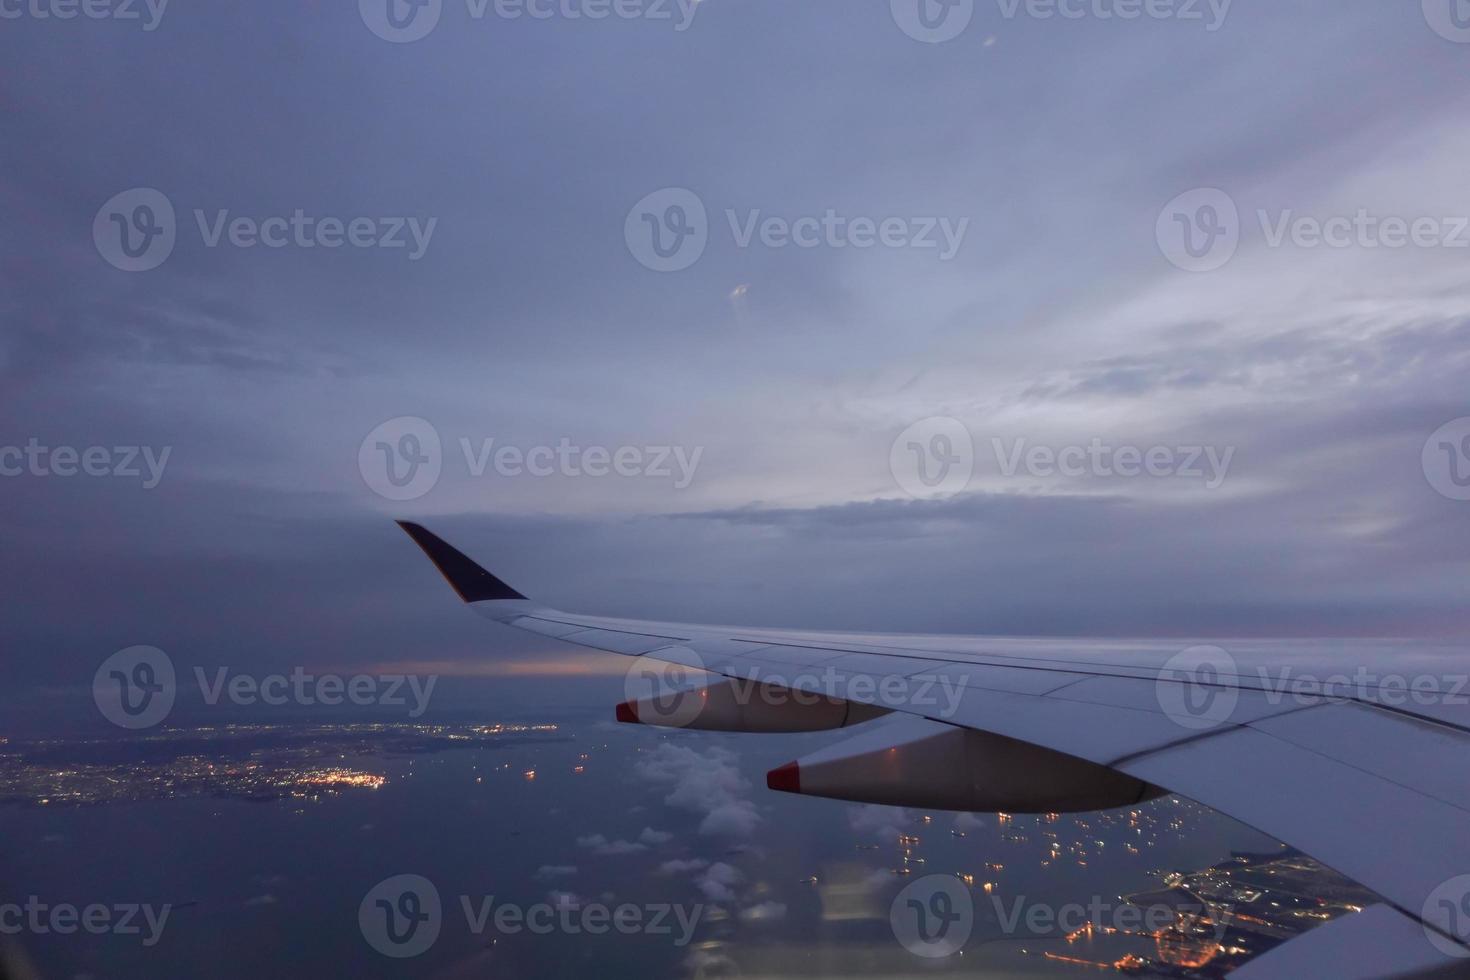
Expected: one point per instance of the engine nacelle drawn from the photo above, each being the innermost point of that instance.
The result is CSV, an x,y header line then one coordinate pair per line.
x,y
920,763
746,706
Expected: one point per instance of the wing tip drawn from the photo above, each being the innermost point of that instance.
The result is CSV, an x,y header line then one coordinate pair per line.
x,y
471,582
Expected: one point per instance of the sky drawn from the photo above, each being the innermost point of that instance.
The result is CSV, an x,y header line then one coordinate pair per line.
x,y
820,281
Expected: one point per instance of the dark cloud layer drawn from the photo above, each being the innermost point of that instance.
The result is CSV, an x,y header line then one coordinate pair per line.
x,y
528,321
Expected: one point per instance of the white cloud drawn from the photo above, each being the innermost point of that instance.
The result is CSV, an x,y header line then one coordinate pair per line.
x,y
967,822
599,844
681,865
870,820
556,871
564,900
718,882
764,912
737,818
879,878
707,782
703,963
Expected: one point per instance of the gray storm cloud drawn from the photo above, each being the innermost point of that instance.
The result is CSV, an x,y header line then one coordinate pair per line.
x,y
526,319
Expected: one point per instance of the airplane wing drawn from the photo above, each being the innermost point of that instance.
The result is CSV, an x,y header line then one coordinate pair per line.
x,y
1355,752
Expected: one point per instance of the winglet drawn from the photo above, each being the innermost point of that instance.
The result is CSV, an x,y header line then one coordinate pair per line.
x,y
472,582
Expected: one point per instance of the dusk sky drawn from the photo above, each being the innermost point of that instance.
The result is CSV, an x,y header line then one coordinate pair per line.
x,y
996,243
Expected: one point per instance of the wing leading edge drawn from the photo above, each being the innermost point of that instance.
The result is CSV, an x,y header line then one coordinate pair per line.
x,y
1381,795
